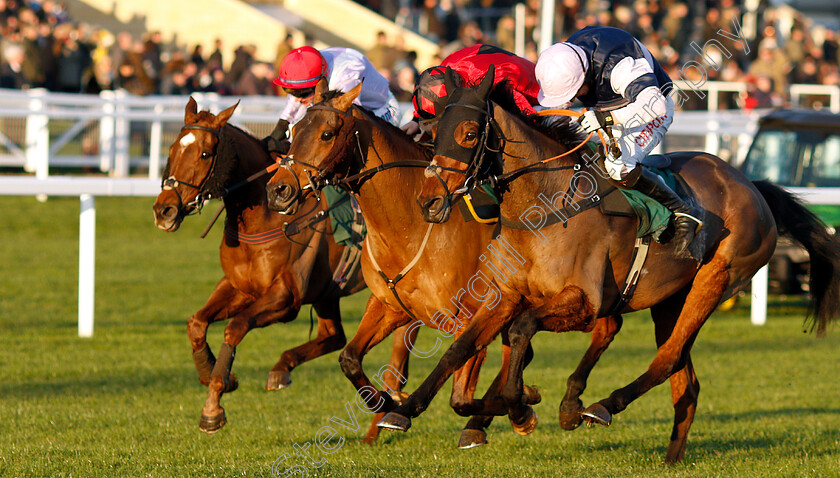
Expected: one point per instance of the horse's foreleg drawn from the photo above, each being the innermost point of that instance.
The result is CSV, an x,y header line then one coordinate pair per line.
x,y
571,407
393,379
377,323
478,334
685,388
708,288
329,339
276,305
222,303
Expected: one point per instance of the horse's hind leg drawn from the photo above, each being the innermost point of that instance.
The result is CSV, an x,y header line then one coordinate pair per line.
x,y
492,404
685,388
404,338
222,303
672,355
602,335
522,416
330,338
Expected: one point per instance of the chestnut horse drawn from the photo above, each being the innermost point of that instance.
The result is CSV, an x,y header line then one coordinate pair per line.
x,y
573,269
339,143
272,264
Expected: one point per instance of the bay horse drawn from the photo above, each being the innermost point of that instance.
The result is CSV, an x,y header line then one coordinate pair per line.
x,y
574,266
339,143
272,264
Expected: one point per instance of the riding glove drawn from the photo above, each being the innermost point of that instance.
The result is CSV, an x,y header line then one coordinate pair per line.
x,y
592,120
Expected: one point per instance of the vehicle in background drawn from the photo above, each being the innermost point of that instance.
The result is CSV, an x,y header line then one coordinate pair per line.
x,y
797,148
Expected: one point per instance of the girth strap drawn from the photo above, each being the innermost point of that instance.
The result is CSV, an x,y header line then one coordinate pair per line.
x,y
640,252
392,283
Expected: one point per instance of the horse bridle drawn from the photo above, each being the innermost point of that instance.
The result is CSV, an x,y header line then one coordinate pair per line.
x,y
478,164
172,183
322,178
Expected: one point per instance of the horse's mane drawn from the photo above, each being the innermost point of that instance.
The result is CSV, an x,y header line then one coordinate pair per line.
x,y
227,160
557,128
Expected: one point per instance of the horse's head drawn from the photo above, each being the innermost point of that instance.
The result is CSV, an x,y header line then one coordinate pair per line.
x,y
325,148
192,161
460,147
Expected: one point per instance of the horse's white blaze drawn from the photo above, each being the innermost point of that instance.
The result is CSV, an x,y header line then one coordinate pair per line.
x,y
187,140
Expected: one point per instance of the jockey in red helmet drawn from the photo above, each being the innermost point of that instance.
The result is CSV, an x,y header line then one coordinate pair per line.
x,y
343,68
470,65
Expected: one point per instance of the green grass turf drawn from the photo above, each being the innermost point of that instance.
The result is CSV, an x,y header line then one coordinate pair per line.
x,y
126,402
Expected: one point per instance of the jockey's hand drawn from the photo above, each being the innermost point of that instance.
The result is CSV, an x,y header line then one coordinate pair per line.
x,y
411,128
278,140
592,121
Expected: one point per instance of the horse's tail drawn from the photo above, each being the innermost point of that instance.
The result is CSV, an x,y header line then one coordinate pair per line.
x,y
796,221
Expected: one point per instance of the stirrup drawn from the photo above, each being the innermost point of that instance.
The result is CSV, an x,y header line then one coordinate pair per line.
x,y
698,221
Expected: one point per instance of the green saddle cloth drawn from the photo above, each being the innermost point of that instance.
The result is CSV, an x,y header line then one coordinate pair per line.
x,y
653,216
346,231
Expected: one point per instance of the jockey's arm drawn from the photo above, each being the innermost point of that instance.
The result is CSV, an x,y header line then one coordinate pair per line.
x,y
648,105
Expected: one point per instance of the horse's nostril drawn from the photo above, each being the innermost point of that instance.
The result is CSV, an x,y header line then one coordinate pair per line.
x,y
434,205
168,212
284,192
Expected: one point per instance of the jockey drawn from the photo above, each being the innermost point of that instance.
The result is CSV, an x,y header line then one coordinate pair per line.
x,y
626,89
469,66
343,68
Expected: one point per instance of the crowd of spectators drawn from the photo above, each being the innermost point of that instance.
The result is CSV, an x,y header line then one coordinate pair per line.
x,y
783,47
40,46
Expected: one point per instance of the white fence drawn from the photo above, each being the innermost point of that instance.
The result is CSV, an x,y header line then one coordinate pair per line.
x,y
123,135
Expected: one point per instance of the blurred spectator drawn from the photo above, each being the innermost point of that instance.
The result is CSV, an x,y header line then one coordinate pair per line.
x,y
506,33
403,82
760,93
378,53
11,74
256,80
215,59
283,49
242,58
197,56
771,63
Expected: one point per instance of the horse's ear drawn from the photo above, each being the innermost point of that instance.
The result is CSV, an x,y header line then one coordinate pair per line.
x,y
344,101
320,88
190,111
486,84
449,81
223,117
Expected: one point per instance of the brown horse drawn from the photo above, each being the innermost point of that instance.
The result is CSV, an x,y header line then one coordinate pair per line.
x,y
272,264
573,267
442,286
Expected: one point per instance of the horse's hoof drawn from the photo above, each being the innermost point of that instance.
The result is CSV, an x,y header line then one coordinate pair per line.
x,y
399,397
597,413
232,384
528,423
395,421
472,438
278,380
570,421
212,424
531,395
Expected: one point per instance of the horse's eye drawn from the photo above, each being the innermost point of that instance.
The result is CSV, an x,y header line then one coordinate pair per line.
x,y
327,135
470,136
205,155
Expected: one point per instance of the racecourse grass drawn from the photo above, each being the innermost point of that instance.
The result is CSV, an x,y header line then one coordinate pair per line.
x,y
126,402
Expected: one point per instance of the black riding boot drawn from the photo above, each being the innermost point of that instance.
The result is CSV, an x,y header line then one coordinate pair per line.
x,y
686,221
